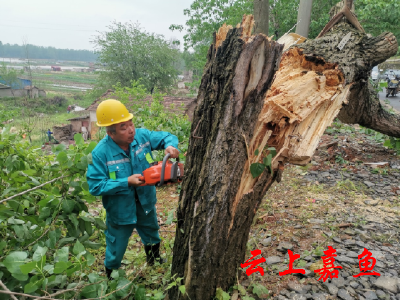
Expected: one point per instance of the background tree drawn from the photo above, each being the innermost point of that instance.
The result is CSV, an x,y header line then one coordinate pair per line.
x,y
261,16
127,53
40,52
207,16
304,17
9,75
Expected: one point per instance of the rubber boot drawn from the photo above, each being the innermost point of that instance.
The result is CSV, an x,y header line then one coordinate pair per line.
x,y
108,272
153,253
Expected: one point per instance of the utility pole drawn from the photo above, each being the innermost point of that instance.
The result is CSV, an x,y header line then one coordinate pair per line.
x,y
261,16
304,17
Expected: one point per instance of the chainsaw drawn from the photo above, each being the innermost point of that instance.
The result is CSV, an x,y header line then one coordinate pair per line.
x,y
163,172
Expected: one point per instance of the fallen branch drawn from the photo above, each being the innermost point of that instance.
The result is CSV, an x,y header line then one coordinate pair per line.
x,y
6,289
32,189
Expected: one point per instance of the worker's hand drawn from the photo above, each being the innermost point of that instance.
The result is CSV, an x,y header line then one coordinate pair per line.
x,y
134,180
173,151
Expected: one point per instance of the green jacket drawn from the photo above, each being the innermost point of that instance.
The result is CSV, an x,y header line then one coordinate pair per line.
x,y
108,174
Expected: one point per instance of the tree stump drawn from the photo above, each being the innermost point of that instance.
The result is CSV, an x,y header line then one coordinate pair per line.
x,y
244,107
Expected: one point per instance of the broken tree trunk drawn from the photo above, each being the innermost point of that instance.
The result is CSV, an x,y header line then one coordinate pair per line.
x,y
214,218
356,59
240,111
235,117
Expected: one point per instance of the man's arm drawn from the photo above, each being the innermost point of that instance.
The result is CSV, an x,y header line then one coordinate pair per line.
x,y
160,140
99,180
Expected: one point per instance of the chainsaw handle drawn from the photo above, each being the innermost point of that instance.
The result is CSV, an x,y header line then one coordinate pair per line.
x,y
163,168
141,178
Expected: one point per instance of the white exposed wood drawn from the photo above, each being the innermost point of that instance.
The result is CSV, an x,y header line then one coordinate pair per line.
x,y
303,100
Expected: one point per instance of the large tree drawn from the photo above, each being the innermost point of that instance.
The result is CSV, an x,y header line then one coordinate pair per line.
x,y
250,121
127,53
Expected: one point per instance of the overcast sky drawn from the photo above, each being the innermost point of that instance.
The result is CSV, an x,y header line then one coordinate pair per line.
x,y
72,23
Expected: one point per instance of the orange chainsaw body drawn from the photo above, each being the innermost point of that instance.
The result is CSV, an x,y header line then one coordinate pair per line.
x,y
163,172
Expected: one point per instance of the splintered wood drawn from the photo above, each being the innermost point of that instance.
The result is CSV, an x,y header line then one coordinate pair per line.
x,y
304,99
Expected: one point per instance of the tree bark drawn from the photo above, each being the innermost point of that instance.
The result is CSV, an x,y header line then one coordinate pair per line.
x,y
304,17
261,16
356,60
214,218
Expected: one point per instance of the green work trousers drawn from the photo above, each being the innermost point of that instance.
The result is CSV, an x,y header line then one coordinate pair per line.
x,y
117,236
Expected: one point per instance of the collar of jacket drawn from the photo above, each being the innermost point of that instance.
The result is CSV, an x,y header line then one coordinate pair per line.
x,y
117,149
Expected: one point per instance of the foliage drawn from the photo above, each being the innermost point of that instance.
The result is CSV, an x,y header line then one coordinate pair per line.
x,y
127,53
206,16
256,169
6,114
153,116
40,52
46,234
379,16
58,101
8,76
393,143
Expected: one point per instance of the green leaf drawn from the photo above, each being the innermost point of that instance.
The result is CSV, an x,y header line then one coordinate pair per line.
x,y
68,206
27,268
272,151
61,266
52,239
46,200
3,244
221,295
256,169
100,224
140,293
170,217
79,139
182,289
85,186
92,245
13,261
89,291
123,292
260,290
387,143
74,220
40,251
267,160
72,270
84,238
62,157
32,287
90,259
64,241
78,248
88,228
15,221
44,213
62,254
241,290
256,152
90,148
115,274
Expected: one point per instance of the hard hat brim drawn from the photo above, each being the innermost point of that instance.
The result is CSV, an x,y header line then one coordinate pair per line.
x,y
129,117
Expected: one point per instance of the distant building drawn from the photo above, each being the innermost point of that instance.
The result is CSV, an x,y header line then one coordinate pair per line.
x,y
55,68
20,83
20,88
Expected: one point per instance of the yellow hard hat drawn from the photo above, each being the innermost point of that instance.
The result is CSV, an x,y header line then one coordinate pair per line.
x,y
111,112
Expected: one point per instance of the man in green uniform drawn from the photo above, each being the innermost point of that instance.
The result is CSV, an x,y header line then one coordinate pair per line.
x,y
117,163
